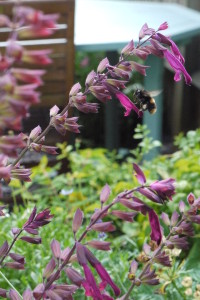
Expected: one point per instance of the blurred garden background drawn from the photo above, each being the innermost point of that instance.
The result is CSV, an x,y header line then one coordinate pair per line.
x,y
87,161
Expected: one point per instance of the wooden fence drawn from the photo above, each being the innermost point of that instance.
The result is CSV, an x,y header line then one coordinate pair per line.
x,y
60,74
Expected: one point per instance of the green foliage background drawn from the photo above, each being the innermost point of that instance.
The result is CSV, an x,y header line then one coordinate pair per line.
x,y
87,172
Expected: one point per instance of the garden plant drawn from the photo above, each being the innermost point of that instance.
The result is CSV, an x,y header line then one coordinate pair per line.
x,y
79,266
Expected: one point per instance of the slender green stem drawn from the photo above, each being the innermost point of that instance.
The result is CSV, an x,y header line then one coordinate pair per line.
x,y
10,284
178,290
151,260
129,291
11,245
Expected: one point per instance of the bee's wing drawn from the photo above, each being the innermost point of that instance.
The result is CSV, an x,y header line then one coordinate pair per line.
x,y
155,93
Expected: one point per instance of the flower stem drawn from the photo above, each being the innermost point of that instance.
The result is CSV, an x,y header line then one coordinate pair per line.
x,y
129,291
9,249
149,263
65,262
178,290
10,284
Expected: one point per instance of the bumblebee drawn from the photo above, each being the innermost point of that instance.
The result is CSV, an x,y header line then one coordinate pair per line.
x,y
145,100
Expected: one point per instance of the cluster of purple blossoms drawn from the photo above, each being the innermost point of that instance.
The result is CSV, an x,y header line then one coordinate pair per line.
x,y
31,226
18,85
18,91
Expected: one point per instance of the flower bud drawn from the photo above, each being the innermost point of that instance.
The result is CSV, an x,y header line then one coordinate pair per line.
x,y
54,110
124,215
181,206
90,78
77,221
49,268
174,218
75,89
34,240
105,193
102,65
100,245
191,198
103,227
55,248
13,295
163,26
165,218
35,132
139,174
4,248
128,48
27,295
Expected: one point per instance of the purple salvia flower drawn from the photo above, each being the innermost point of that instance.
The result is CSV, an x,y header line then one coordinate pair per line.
x,y
17,257
163,259
128,48
64,253
127,104
14,265
184,228
90,79
177,66
79,101
149,277
55,248
27,295
194,219
119,84
181,206
136,204
102,65
77,220
34,240
146,249
93,289
139,68
29,76
164,188
100,245
174,218
39,291
142,31
156,233
13,295
50,267
75,89
103,227
148,193
100,92
74,276
21,173
191,198
177,242
105,193
3,293
165,218
174,48
4,248
105,277
15,230
124,215
35,132
53,111
163,26
139,174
